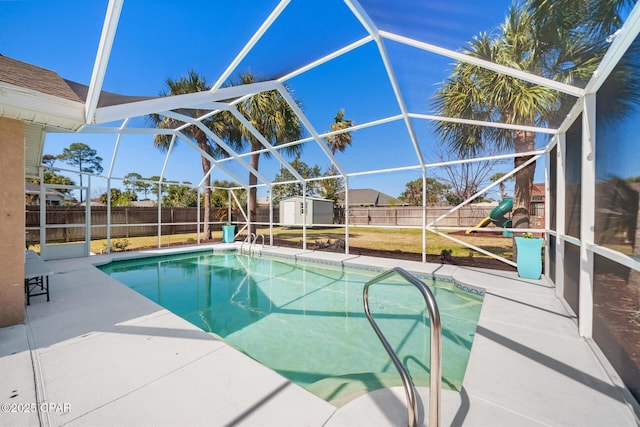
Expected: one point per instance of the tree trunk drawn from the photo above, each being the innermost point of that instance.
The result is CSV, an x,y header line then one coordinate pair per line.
x,y
523,142
634,275
253,180
201,137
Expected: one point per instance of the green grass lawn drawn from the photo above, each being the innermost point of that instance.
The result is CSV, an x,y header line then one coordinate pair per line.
x,y
403,239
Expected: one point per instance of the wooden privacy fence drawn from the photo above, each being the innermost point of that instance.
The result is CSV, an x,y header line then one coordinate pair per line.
x,y
125,222
68,221
467,216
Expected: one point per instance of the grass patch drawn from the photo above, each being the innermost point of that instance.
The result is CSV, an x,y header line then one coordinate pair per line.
x,y
398,239
381,239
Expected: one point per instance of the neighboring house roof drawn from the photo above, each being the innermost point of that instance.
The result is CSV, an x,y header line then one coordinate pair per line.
x,y
144,203
537,192
93,203
369,197
32,188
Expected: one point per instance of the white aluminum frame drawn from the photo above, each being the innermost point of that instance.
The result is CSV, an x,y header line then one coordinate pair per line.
x,y
214,100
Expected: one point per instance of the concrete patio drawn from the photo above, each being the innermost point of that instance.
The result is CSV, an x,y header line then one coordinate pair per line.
x,y
100,354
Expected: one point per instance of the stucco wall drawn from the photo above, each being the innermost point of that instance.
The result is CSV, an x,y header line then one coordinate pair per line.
x,y
11,222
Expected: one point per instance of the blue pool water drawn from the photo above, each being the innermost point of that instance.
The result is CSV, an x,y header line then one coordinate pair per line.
x,y
306,320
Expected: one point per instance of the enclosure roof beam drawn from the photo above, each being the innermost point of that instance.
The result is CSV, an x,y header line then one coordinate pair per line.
x,y
206,175
369,25
102,58
218,141
129,130
482,123
316,137
242,119
327,134
251,43
115,149
531,78
326,58
208,156
487,188
166,158
166,103
620,42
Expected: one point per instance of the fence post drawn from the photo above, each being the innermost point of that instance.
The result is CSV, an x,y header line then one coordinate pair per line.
x,y
66,222
173,227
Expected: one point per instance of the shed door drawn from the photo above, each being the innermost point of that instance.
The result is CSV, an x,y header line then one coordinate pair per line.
x,y
289,212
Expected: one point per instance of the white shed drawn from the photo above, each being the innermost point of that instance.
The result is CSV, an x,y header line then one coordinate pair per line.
x,y
318,211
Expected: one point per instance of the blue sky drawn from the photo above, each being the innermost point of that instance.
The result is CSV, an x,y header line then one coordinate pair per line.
x,y
161,39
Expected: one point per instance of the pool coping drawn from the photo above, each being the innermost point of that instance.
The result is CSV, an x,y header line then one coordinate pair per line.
x,y
528,365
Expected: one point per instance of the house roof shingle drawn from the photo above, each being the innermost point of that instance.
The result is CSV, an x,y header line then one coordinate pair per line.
x,y
36,78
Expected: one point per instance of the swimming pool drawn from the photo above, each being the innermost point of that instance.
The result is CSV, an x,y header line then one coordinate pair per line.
x,y
306,320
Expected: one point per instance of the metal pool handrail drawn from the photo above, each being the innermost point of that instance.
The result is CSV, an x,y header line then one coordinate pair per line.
x,y
255,239
247,240
436,348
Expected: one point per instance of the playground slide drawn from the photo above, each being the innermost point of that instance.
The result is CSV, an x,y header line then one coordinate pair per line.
x,y
497,215
481,224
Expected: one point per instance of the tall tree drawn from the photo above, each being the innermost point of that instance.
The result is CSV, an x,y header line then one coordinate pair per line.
x,y
464,179
48,160
180,196
134,182
270,114
193,83
330,188
575,35
119,198
436,192
560,39
473,92
83,157
154,187
340,141
502,186
295,188
220,196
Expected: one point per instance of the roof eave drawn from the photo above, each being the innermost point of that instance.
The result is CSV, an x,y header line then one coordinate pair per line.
x,y
36,107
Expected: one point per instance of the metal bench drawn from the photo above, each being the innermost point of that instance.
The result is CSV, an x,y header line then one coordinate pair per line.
x,y
36,276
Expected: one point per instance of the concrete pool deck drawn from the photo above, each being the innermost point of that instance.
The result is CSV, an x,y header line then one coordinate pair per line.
x,y
100,354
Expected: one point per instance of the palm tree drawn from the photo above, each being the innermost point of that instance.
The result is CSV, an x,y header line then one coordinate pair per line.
x,y
269,113
475,93
192,83
340,141
575,35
